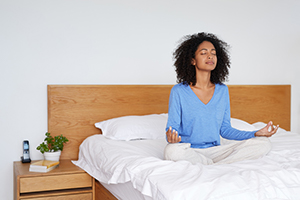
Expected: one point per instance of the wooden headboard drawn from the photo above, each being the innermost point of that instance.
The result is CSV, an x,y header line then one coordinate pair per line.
x,y
73,109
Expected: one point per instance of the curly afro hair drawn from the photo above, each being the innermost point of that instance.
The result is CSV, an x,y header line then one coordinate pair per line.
x,y
185,52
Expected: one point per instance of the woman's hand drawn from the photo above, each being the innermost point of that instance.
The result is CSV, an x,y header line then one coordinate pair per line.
x,y
172,136
265,131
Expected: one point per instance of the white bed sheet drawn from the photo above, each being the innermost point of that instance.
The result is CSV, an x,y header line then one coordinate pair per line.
x,y
275,176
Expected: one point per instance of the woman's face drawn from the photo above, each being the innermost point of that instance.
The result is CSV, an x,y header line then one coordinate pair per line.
x,y
205,57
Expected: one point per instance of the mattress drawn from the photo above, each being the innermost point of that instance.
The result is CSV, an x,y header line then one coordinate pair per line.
x,y
139,165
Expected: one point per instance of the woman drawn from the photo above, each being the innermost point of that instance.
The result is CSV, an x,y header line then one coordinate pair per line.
x,y
199,108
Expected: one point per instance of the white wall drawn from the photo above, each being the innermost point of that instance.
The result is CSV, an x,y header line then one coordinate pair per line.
x,y
128,42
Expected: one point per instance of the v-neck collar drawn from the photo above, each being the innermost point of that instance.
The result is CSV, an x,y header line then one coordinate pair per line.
x,y
194,94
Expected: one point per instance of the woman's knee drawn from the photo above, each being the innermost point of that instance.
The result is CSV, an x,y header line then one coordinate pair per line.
x,y
263,144
266,144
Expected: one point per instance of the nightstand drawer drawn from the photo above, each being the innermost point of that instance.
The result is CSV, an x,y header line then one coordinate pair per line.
x,y
87,196
55,182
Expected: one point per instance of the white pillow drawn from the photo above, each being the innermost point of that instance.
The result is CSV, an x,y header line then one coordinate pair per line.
x,y
259,125
242,125
135,127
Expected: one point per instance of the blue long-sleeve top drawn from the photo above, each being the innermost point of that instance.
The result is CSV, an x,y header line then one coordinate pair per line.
x,y
202,124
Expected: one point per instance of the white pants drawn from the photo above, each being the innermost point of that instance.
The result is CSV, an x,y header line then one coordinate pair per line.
x,y
228,152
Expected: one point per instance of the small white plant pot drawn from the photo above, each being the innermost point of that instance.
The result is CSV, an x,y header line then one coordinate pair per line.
x,y
53,156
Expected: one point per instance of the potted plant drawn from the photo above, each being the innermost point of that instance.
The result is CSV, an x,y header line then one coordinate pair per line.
x,y
53,146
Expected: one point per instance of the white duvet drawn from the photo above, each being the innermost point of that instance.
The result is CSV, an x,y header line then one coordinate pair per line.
x,y
275,176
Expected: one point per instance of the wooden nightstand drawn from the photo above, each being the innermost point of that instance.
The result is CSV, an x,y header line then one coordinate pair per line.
x,y
67,181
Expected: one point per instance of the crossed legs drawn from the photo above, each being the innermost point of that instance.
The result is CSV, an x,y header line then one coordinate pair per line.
x,y
228,152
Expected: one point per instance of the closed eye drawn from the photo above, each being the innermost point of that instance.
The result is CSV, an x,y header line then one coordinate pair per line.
x,y
204,52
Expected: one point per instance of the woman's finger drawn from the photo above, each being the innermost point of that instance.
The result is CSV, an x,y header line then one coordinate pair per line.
x,y
179,139
173,136
168,133
275,129
176,136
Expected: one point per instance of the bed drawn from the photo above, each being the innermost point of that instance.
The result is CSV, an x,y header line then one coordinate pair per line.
x,y
135,169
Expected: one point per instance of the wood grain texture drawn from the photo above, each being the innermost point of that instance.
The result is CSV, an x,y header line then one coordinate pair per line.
x,y
73,110
261,103
102,193
55,182
87,196
67,181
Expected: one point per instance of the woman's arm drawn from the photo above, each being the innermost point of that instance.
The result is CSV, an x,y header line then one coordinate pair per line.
x,y
174,118
230,133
